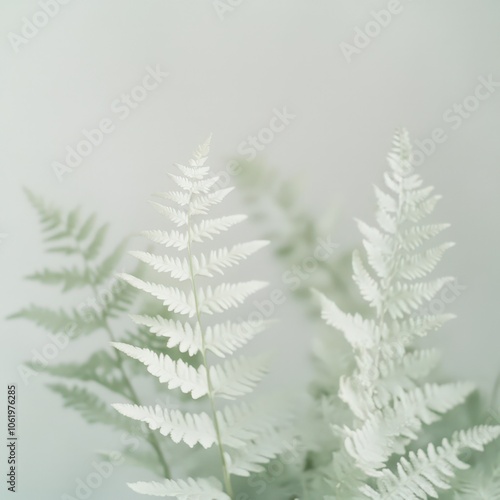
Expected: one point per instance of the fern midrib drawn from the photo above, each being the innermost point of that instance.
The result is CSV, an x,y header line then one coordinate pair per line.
x,y
210,391
420,470
134,398
387,283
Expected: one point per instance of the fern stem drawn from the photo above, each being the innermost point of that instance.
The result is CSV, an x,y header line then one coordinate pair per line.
x,y
133,397
387,283
225,471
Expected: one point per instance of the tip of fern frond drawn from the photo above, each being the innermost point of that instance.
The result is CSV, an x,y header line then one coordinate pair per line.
x,y
262,243
134,486
123,276
27,191
317,294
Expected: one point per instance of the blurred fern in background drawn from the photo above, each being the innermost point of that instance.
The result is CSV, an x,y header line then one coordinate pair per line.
x,y
86,386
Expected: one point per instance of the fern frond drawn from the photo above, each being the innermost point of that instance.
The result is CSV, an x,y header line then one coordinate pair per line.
x,y
175,373
241,423
91,407
70,234
188,428
225,296
389,430
194,186
358,331
252,458
56,321
202,203
234,377
386,394
224,258
423,473
225,338
178,217
208,228
200,154
67,278
417,266
168,238
189,489
180,334
176,267
175,299
100,367
193,172
405,298
94,247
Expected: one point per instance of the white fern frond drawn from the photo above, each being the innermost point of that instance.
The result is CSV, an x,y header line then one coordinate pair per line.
x,y
390,429
180,334
169,239
195,186
415,236
189,489
175,299
226,295
210,227
408,297
176,374
177,268
225,338
418,326
224,258
417,266
189,428
367,285
180,197
385,202
233,427
201,204
193,172
407,368
240,424
178,217
421,210
200,154
357,331
252,458
389,401
422,474
238,376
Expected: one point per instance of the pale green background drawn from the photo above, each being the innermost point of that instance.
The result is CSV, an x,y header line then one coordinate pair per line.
x,y
226,77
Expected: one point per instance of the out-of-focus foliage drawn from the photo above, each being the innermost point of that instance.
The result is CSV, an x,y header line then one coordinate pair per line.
x,y
83,270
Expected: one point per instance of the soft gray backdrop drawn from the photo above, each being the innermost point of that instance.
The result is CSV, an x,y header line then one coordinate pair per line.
x,y
229,68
